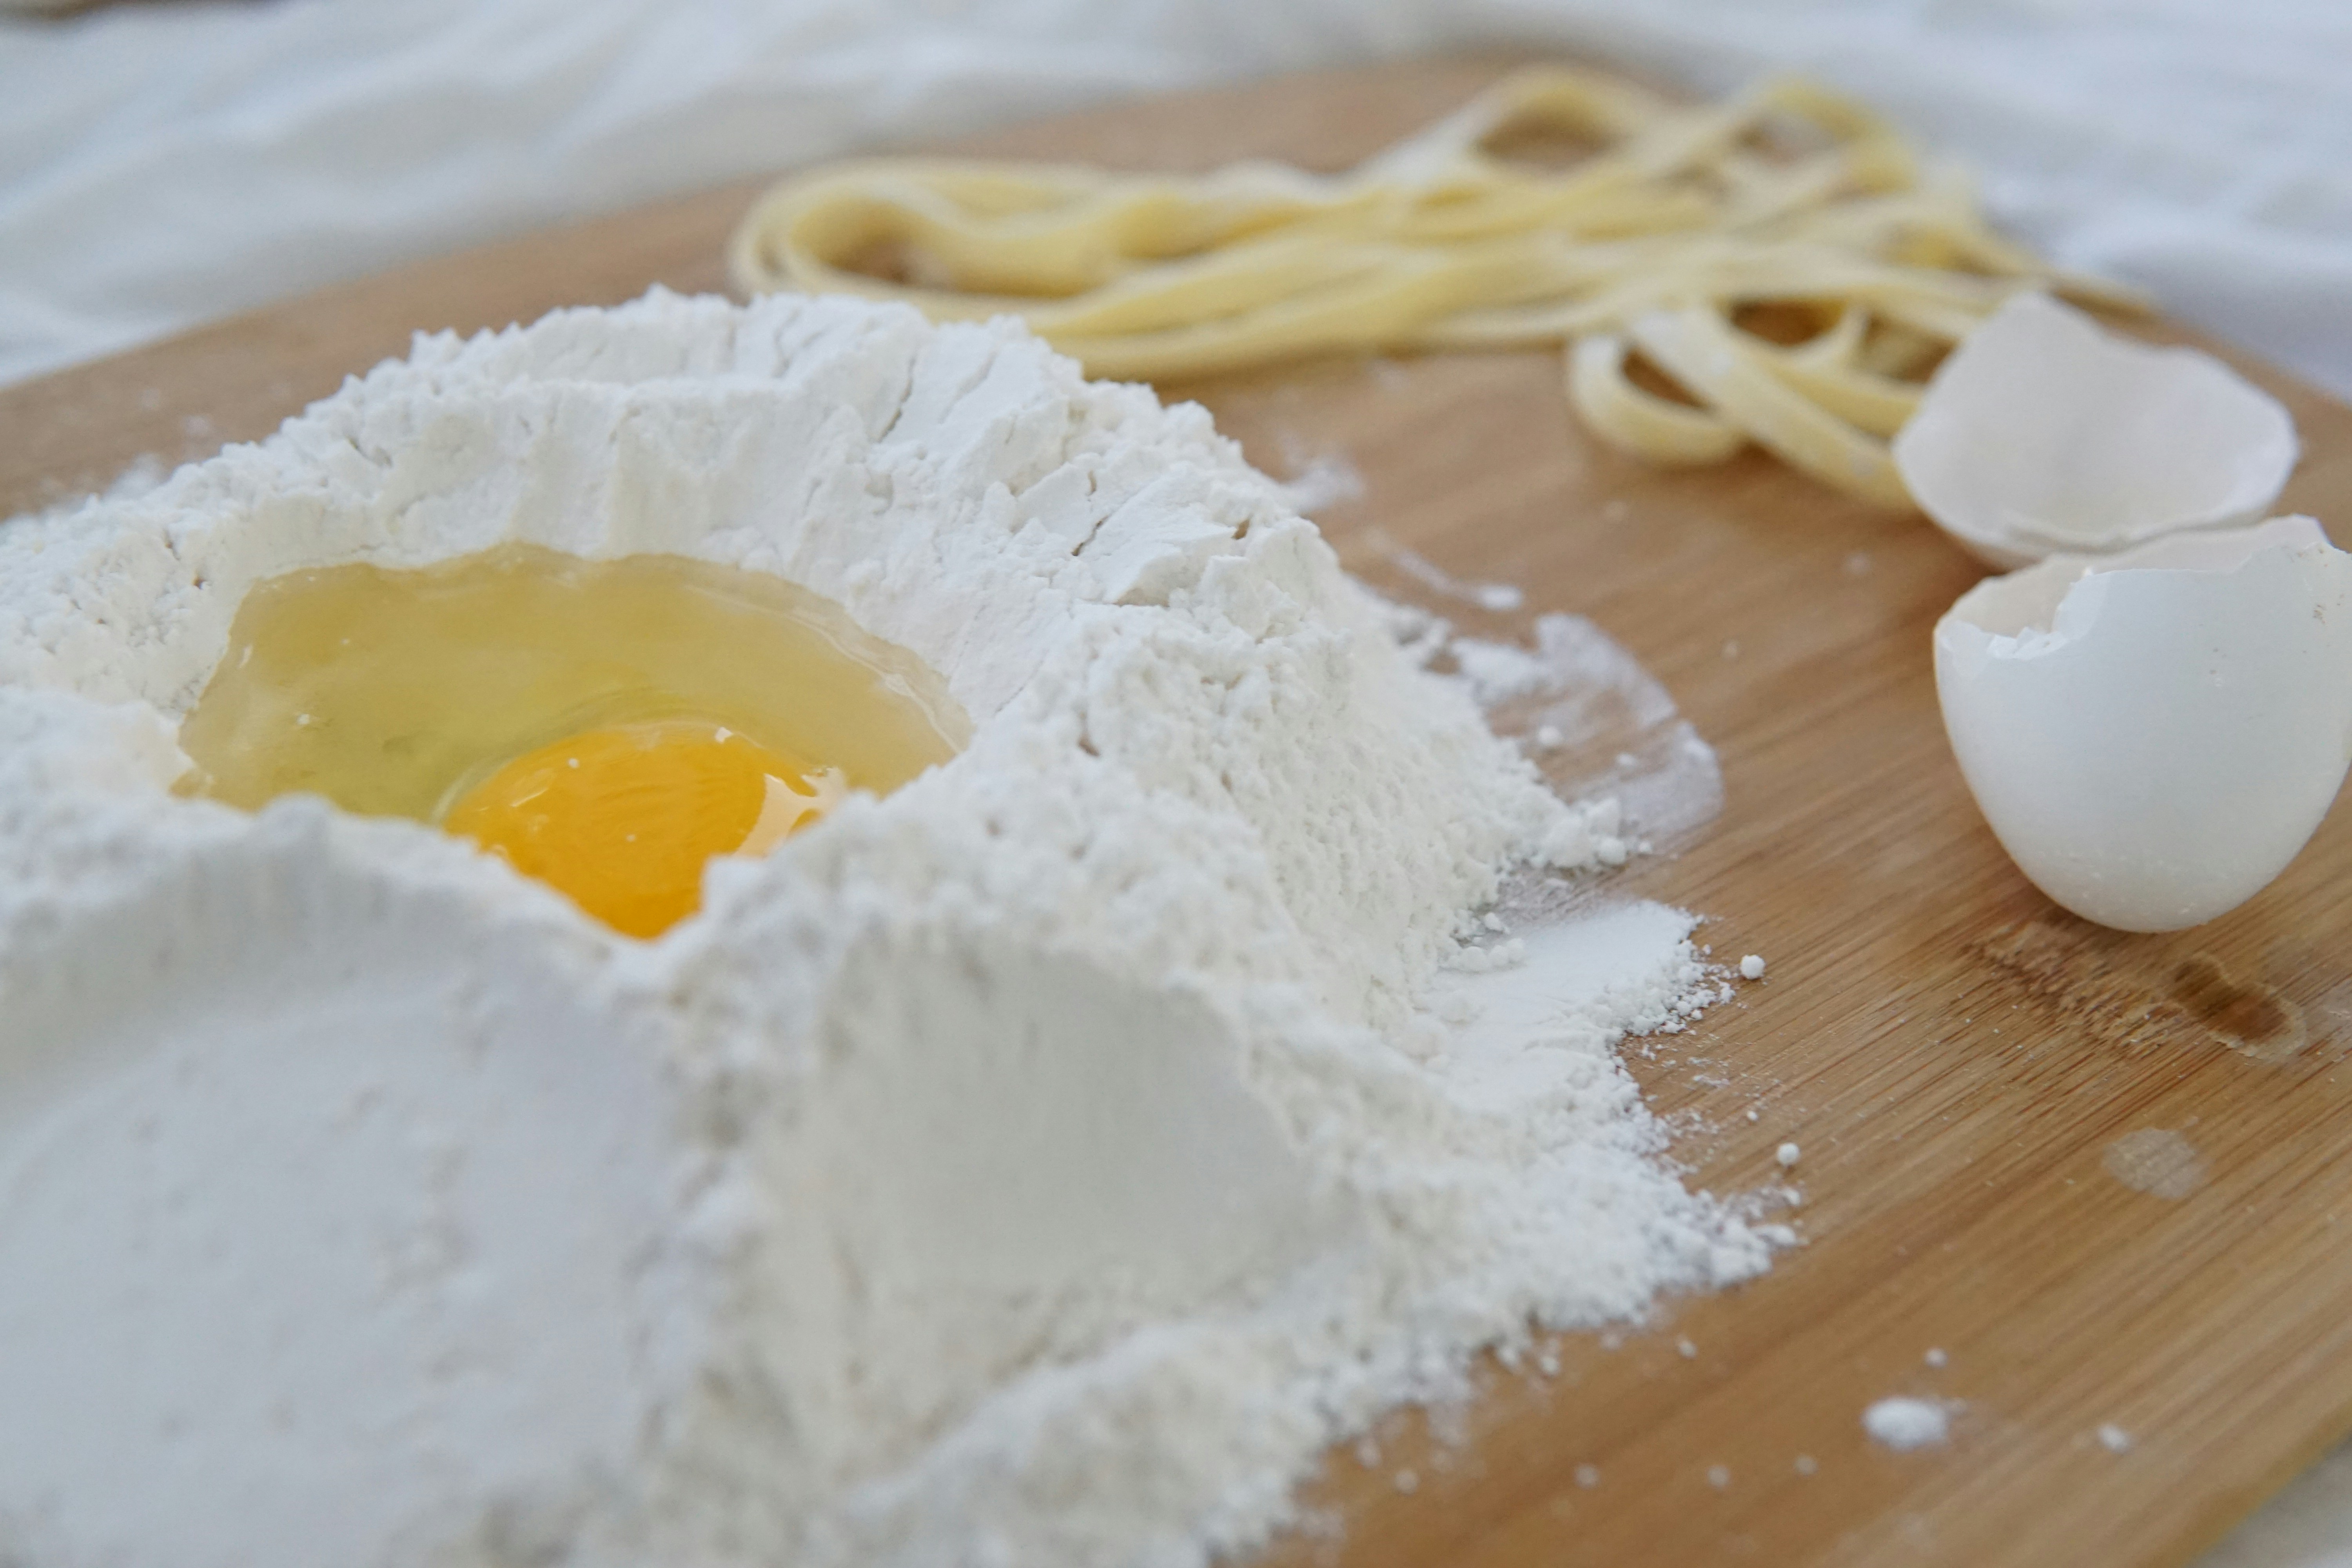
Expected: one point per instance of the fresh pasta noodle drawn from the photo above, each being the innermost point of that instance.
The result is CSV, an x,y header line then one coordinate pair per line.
x,y
1775,268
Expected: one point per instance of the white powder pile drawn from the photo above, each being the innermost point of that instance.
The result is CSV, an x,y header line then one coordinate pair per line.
x,y
1905,1423
1041,1165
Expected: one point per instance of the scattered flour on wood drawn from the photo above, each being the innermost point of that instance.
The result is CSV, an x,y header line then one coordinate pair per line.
x,y
2156,1161
1496,598
1904,1423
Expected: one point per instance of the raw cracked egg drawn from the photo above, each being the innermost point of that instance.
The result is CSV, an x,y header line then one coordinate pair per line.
x,y
2154,735
606,727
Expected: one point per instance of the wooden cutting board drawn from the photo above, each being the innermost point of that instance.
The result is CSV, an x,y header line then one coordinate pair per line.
x,y
1957,1056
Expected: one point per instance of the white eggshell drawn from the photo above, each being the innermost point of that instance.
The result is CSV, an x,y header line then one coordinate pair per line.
x,y
2045,433
2154,735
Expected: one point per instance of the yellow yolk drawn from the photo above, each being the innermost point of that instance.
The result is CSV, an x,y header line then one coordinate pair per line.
x,y
622,820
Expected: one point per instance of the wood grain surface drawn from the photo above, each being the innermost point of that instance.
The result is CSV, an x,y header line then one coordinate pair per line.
x,y
1955,1057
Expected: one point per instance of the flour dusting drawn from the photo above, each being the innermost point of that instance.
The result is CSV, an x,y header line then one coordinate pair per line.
x,y
1044,1164
2157,1161
1594,720
1496,598
1904,1423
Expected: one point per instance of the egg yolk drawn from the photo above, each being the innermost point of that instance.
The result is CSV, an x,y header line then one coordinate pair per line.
x,y
620,820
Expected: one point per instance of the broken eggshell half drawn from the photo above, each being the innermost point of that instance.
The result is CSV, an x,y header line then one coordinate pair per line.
x,y
2045,433
2154,735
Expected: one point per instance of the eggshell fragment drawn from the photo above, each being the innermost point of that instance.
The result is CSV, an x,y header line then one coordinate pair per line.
x,y
2154,735
2044,433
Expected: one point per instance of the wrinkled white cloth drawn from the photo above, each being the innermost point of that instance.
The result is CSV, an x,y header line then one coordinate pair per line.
x,y
161,165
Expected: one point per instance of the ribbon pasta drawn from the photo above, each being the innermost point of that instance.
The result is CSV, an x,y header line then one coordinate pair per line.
x,y
1774,269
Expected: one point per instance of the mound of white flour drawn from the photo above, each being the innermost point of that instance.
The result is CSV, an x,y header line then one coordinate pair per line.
x,y
1040,1165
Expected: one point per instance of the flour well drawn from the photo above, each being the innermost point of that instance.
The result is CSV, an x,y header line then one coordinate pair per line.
x,y
1041,1164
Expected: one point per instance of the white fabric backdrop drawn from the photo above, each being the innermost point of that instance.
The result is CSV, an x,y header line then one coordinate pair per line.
x,y
160,164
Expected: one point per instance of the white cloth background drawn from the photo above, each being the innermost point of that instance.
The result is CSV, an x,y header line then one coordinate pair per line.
x,y
160,164
163,163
